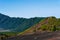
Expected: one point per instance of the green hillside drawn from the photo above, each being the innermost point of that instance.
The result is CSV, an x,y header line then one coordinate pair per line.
x,y
16,24
52,24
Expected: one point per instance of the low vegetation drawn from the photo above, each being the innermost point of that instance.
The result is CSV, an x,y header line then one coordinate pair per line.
x,y
52,24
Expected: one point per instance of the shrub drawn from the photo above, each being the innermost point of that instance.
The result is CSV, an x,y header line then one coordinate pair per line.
x,y
43,27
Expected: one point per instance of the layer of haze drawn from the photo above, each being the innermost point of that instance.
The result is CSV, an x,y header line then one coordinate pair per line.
x,y
30,8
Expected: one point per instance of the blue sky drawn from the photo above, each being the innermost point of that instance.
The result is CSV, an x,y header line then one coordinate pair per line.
x,y
30,8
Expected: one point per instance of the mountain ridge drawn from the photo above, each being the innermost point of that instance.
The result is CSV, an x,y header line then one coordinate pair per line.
x,y
17,24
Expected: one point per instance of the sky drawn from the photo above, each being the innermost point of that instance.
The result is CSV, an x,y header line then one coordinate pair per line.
x,y
30,8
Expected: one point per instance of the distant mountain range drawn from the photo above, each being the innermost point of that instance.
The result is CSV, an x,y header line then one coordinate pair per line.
x,y
13,24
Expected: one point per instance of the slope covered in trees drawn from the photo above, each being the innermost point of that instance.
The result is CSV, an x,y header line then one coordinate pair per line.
x,y
17,24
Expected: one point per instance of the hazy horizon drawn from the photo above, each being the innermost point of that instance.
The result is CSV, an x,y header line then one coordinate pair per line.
x,y
30,8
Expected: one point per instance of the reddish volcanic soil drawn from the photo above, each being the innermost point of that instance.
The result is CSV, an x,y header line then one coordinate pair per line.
x,y
39,36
